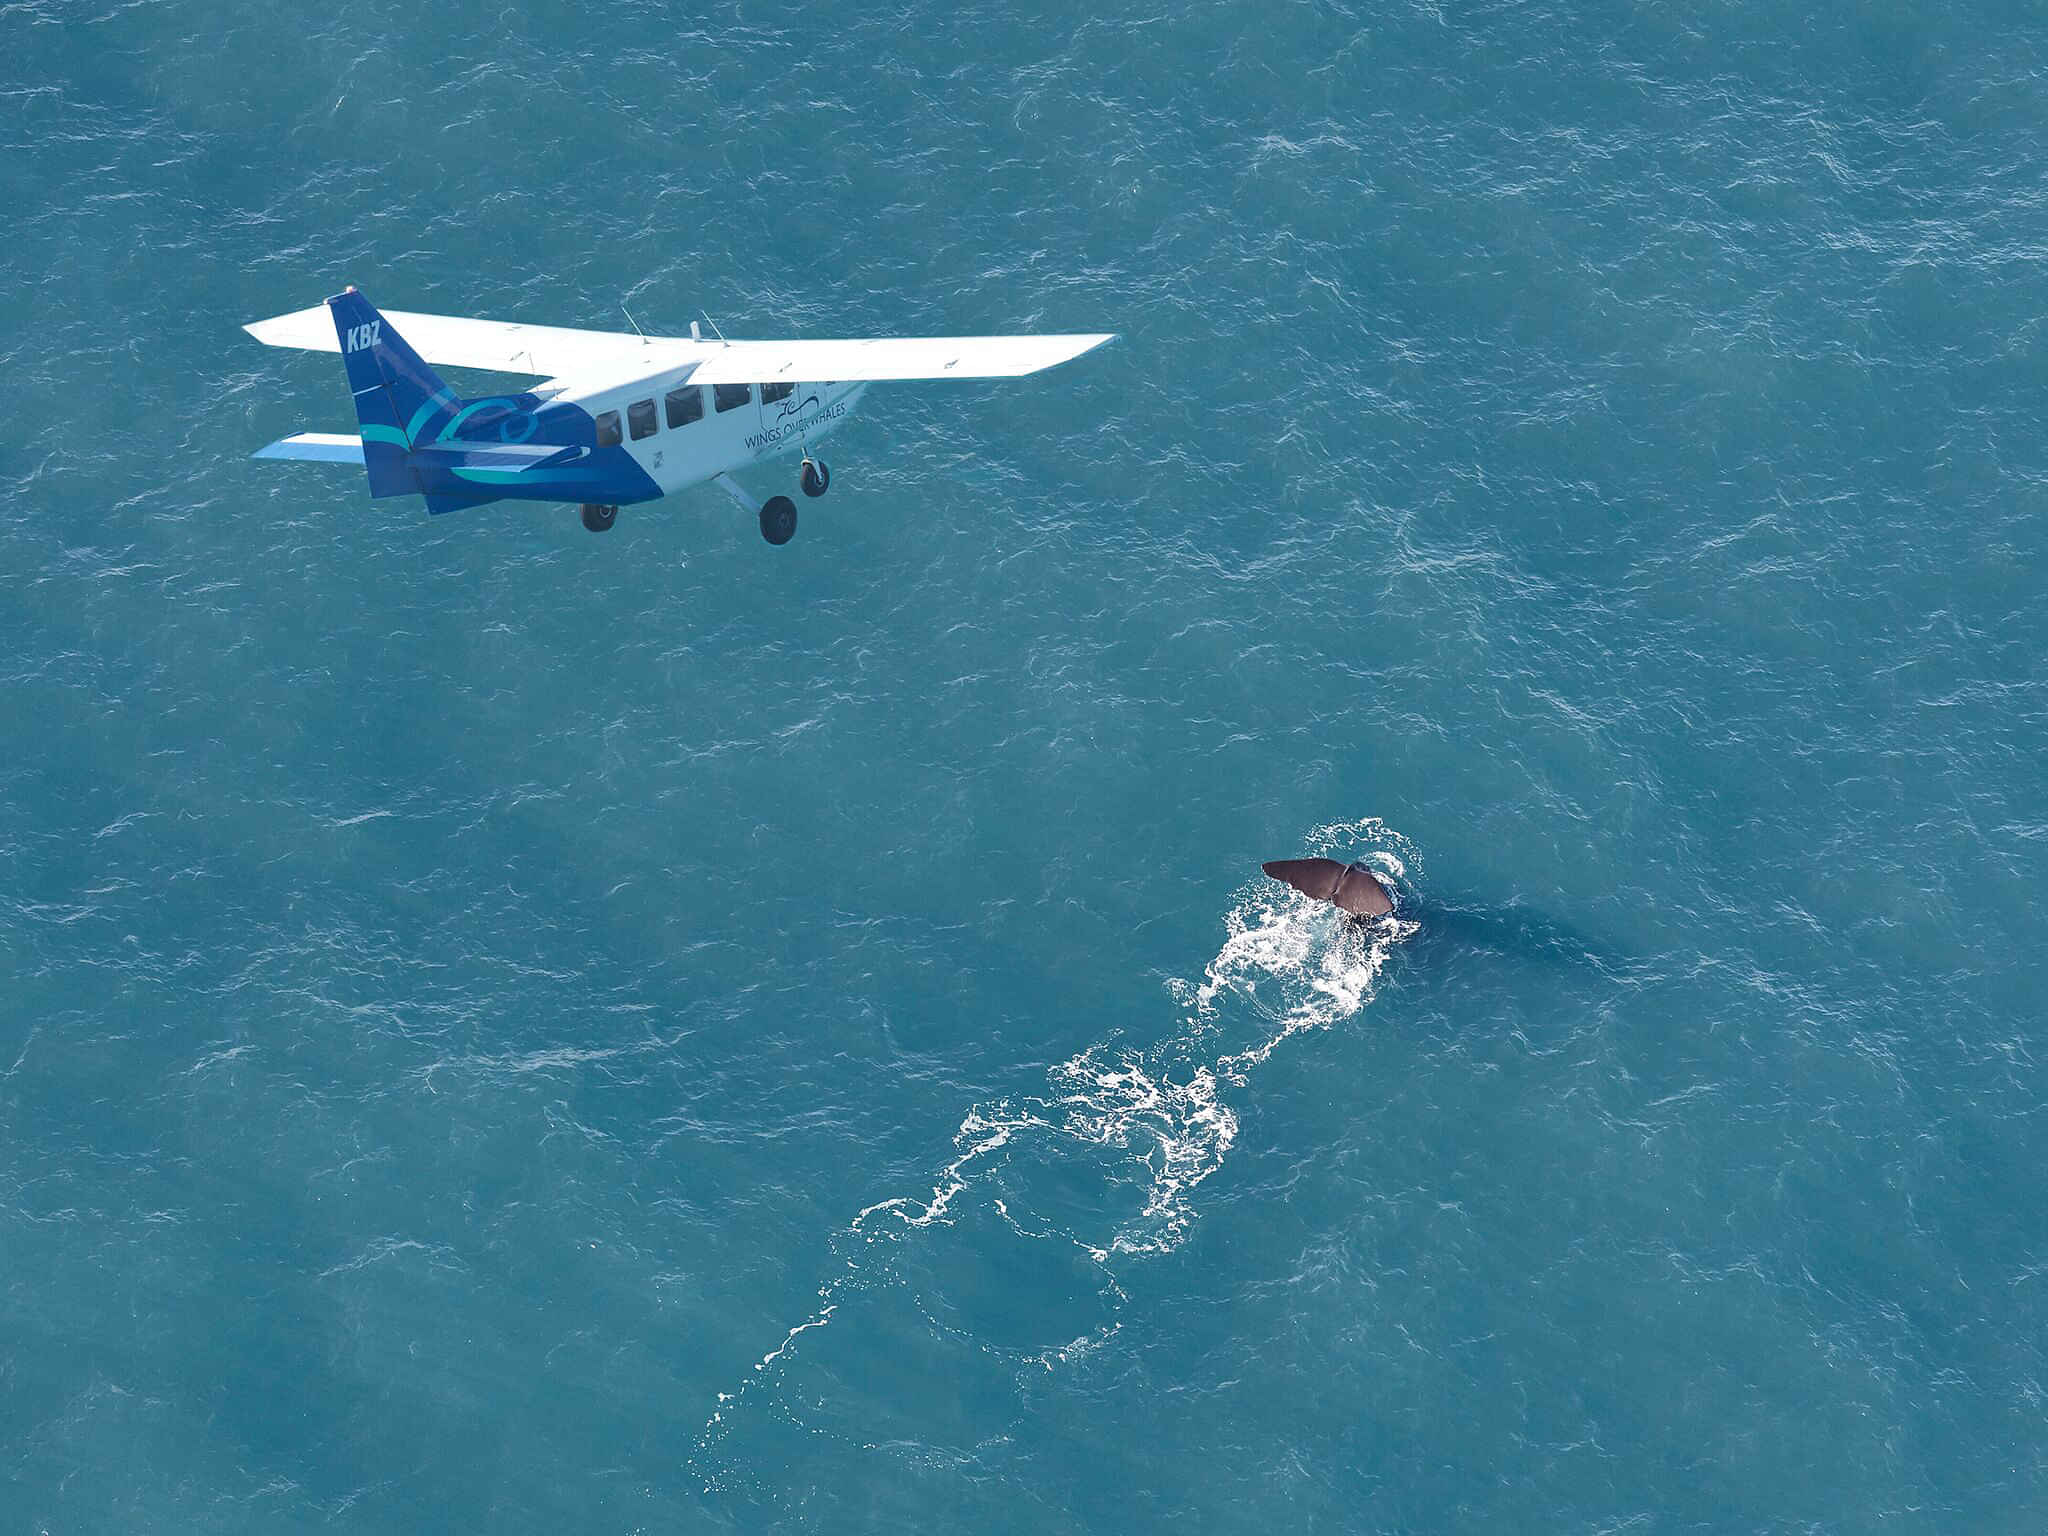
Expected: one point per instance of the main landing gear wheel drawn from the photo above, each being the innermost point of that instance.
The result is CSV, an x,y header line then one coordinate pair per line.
x,y
817,477
598,518
778,519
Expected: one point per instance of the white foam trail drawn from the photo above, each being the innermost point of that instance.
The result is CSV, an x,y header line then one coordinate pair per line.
x,y
1287,966
952,1180
817,1321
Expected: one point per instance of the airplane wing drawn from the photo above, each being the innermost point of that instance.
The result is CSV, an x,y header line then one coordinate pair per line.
x,y
891,357
550,351
453,341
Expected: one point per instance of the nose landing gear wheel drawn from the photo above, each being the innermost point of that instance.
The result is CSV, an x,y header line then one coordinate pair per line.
x,y
817,477
778,519
597,517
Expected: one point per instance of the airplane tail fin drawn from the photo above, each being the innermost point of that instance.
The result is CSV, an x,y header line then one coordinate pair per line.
x,y
400,401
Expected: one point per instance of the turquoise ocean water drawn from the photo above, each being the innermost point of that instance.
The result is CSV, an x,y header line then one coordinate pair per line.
x,y
506,1030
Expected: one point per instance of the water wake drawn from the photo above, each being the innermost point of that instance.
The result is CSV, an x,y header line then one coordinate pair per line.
x,y
1154,1120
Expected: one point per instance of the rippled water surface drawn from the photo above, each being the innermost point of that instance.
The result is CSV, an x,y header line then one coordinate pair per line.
x,y
510,1030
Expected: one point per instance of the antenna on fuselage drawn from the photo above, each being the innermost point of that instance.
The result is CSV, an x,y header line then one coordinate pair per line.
x,y
632,322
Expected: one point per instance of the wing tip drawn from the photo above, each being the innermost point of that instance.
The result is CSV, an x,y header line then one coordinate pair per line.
x,y
308,330
1086,344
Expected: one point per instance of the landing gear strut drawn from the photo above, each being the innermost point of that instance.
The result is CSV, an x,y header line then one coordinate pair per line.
x,y
597,517
817,476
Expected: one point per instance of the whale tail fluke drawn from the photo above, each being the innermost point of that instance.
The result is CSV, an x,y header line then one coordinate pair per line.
x,y
1351,887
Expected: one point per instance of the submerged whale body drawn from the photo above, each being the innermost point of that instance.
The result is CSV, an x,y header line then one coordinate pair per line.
x,y
1350,887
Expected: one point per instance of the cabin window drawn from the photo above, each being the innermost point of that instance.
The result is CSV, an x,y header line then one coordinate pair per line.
x,y
685,405
608,429
770,393
640,417
730,396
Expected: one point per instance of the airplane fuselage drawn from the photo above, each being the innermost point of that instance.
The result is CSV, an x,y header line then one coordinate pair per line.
x,y
680,434
637,440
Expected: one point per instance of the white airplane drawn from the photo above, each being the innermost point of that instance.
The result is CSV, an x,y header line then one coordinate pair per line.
x,y
621,417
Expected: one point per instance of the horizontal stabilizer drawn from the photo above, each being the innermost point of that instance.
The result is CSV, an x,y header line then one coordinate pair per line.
x,y
511,457
319,447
